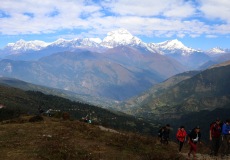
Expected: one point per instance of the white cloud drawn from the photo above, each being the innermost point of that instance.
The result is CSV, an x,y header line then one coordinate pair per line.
x,y
168,8
211,36
180,10
163,18
69,14
219,9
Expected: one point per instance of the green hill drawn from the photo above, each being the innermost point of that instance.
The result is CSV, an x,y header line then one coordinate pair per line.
x,y
154,92
207,90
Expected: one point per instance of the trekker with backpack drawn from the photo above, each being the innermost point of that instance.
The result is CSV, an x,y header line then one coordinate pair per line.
x,y
160,133
164,134
215,137
181,137
225,138
193,139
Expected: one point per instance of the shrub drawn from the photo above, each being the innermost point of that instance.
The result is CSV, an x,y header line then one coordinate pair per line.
x,y
37,118
65,116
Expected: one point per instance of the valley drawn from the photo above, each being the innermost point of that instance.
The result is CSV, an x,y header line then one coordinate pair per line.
x,y
114,79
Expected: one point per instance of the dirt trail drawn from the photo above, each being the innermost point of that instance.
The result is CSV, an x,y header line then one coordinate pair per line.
x,y
205,157
108,129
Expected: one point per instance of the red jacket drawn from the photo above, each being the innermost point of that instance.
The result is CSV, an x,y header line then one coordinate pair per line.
x,y
215,130
181,135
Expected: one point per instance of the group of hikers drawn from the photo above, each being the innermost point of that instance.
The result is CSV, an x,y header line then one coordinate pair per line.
x,y
219,136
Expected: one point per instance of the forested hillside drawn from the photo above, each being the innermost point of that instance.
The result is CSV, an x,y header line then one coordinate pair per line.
x,y
15,102
207,90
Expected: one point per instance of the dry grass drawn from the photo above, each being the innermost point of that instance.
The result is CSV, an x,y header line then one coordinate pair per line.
x,y
55,139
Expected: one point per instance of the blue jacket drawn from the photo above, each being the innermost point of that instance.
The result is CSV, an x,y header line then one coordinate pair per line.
x,y
226,129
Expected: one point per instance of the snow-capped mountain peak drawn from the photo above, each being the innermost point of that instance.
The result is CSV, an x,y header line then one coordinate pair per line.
x,y
97,40
91,42
172,46
216,51
18,43
120,37
60,42
77,42
23,45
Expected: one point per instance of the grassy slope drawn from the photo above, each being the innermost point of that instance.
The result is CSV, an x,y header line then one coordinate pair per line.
x,y
57,139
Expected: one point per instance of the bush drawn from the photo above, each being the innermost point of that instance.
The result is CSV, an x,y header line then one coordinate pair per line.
x,y
6,114
65,116
36,119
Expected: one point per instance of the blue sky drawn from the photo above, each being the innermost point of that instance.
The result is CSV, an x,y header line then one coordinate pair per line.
x,y
200,24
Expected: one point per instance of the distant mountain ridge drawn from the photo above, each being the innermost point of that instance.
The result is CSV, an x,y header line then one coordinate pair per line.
x,y
206,90
155,91
83,98
117,74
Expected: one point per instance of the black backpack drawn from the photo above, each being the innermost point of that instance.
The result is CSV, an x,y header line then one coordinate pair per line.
x,y
160,132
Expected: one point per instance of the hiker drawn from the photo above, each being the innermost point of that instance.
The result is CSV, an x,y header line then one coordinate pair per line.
x,y
225,138
86,118
49,112
40,110
181,137
193,139
165,134
215,136
160,133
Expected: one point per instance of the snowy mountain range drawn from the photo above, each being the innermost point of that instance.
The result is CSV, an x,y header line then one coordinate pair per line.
x,y
120,37
22,46
189,57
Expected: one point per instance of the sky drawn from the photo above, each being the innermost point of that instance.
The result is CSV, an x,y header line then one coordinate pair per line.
x,y
200,24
